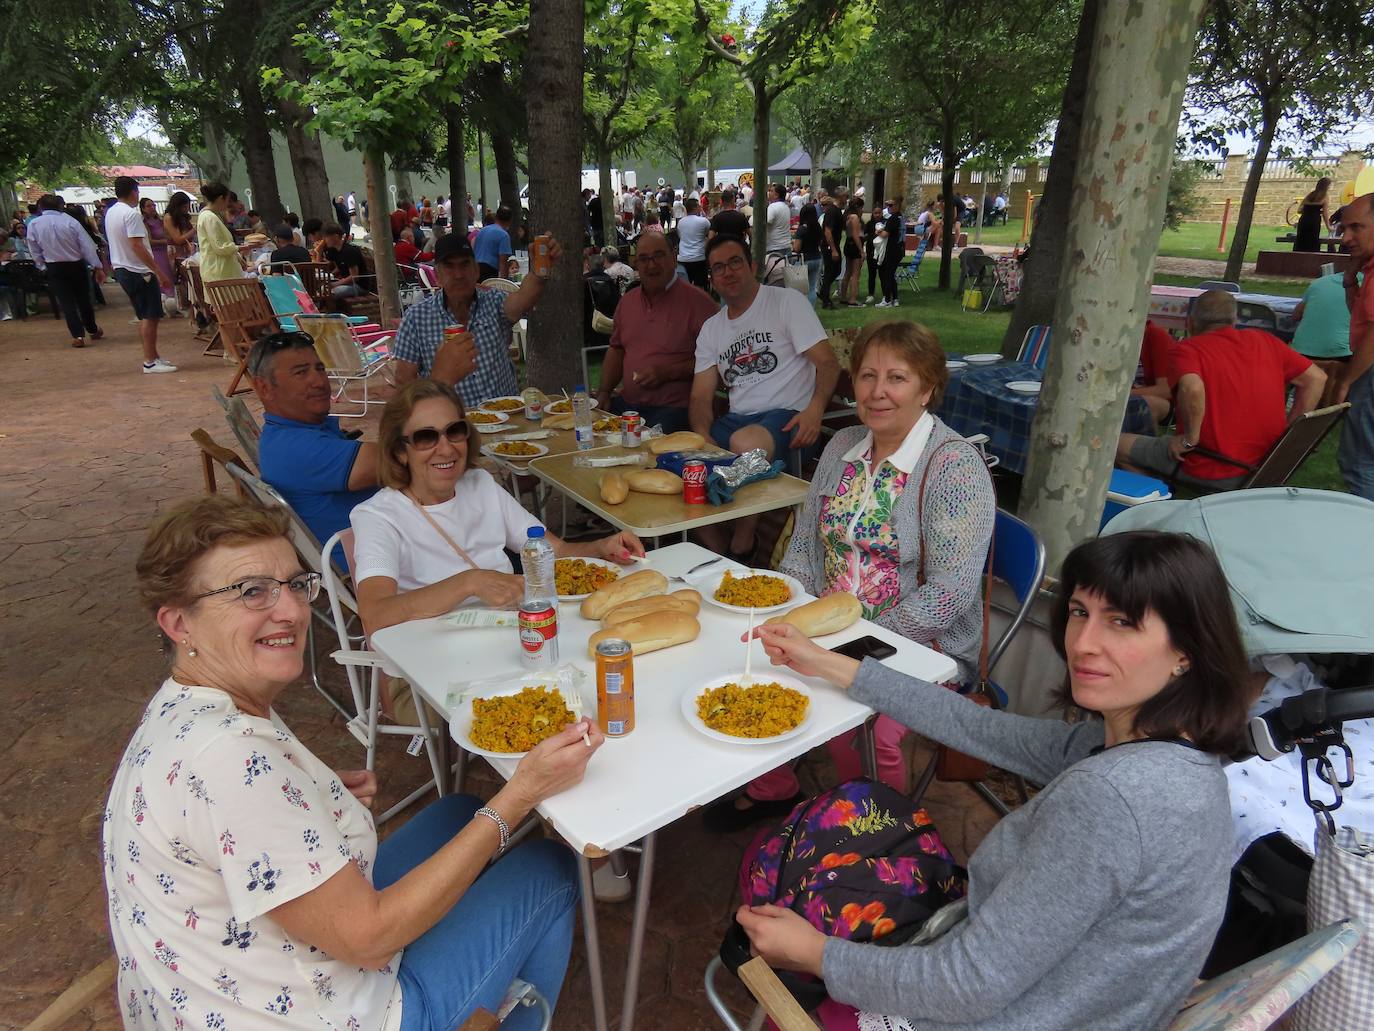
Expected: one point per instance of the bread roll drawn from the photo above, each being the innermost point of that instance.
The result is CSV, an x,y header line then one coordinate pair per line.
x,y
655,481
614,489
828,615
679,601
684,440
558,422
650,632
627,588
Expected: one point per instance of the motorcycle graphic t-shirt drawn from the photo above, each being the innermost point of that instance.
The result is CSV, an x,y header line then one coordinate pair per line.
x,y
760,354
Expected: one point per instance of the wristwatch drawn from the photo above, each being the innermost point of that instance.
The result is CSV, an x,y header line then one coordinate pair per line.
x,y
1188,446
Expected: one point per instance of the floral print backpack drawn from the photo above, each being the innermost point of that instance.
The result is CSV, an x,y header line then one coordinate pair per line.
x,y
860,861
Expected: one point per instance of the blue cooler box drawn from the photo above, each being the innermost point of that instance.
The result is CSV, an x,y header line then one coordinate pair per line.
x,y
1130,489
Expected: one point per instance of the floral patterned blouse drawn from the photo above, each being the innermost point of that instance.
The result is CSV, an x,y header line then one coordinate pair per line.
x,y
856,523
215,818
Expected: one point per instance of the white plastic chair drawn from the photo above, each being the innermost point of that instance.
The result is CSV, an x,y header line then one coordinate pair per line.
x,y
355,656
345,360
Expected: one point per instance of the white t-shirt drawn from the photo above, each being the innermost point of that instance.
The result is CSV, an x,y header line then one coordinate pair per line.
x,y
215,818
627,204
779,226
392,538
999,203
691,237
759,354
121,222
748,193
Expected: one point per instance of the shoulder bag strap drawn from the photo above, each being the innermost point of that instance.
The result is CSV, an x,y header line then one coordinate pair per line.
x,y
444,534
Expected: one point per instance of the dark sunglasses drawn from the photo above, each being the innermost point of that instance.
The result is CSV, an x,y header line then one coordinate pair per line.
x,y
427,439
273,343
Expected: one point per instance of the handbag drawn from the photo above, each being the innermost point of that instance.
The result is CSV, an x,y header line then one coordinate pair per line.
x,y
973,298
794,275
1341,886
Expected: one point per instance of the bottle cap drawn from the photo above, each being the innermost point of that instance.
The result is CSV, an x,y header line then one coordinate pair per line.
x,y
581,388
534,532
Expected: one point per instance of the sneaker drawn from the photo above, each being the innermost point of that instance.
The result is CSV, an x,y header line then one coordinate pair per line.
x,y
607,887
160,365
893,304
881,304
852,304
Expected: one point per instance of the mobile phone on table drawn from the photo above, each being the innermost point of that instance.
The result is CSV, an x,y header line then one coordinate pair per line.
x,y
865,647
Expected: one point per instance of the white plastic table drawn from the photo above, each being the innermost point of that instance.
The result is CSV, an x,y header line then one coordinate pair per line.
x,y
663,769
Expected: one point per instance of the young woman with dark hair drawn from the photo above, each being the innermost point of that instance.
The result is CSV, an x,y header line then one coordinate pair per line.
x,y
1094,904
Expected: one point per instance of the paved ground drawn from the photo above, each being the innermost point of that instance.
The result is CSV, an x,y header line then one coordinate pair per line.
x,y
90,449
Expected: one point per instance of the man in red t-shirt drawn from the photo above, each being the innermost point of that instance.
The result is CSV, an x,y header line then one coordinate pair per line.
x,y
652,357
1157,374
1355,456
1232,384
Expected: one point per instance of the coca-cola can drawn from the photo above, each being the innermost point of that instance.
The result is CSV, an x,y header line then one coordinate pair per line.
x,y
539,633
629,428
694,482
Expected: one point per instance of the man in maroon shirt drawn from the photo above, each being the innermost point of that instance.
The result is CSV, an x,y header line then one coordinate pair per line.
x,y
1232,384
653,347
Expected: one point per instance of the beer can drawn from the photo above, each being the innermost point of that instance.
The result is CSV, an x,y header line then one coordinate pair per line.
x,y
453,331
539,633
629,429
694,482
541,261
534,404
615,687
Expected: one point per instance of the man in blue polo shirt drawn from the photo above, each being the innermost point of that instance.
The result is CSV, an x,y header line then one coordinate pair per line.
x,y
492,246
319,469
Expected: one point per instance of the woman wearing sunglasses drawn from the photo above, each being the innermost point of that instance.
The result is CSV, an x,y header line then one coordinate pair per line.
x,y
245,884
436,535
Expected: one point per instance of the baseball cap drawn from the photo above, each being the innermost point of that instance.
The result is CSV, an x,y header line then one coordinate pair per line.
x,y
454,245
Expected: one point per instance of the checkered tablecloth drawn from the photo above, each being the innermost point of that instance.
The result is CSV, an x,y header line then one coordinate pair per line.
x,y
977,401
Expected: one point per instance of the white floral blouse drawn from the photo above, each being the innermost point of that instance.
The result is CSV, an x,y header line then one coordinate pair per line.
x,y
215,818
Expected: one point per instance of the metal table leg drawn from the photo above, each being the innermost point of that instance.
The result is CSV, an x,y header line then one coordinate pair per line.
x,y
637,928
589,937
868,749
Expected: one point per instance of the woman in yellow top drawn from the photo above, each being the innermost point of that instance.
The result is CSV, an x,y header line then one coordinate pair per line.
x,y
219,255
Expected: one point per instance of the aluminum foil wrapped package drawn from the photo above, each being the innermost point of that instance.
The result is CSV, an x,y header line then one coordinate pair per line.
x,y
724,480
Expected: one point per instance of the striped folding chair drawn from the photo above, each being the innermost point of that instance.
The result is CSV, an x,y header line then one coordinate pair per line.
x,y
1035,348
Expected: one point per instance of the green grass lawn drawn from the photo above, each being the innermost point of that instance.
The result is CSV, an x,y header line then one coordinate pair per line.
x,y
1191,240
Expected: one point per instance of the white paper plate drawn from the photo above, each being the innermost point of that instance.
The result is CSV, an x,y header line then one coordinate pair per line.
x,y
1024,386
955,364
982,359
490,451
461,719
486,405
559,406
590,562
767,676
708,591
490,427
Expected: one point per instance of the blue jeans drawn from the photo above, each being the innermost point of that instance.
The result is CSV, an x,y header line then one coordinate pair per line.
x,y
813,276
1355,456
516,920
672,419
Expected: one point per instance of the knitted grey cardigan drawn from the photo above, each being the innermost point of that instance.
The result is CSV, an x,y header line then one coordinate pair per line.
x,y
960,506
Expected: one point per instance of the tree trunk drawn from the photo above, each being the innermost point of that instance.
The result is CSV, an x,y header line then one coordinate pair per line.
x,y
508,182
481,173
915,169
763,105
257,151
404,191
1130,123
1240,236
383,251
610,200
456,159
216,163
982,206
1040,273
553,103
688,173
710,168
307,156
949,224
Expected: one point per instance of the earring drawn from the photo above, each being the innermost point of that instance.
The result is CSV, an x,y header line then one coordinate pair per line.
x,y
1178,670
186,643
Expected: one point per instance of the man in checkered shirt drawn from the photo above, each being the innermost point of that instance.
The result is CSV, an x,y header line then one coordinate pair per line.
x,y
477,362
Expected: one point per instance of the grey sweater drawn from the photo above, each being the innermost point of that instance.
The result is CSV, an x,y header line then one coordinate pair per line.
x,y
1092,906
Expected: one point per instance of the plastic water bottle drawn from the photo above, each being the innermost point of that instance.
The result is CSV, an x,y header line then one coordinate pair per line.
x,y
536,555
539,610
582,418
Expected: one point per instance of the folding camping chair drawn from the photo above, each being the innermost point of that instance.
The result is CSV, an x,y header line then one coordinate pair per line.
x,y
286,304
1035,347
1254,315
908,271
243,314
977,271
1299,440
213,454
346,361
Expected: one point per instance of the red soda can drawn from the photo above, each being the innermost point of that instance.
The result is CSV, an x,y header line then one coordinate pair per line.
x,y
629,428
539,633
694,482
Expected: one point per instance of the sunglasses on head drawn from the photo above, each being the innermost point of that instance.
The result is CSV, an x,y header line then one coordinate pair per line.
x,y
269,345
427,438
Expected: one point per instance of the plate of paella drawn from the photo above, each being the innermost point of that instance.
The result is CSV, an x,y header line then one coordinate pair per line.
x,y
575,578
488,422
514,450
761,590
509,403
770,708
505,723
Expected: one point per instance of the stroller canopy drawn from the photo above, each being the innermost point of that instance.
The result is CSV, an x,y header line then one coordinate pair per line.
x,y
1300,563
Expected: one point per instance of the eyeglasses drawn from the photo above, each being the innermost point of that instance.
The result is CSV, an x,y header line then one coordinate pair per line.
x,y
262,592
733,265
273,343
427,439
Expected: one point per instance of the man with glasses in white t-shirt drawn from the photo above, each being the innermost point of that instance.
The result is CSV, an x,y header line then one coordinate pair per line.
x,y
768,348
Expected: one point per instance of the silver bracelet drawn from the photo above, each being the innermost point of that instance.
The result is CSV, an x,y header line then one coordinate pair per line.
x,y
495,817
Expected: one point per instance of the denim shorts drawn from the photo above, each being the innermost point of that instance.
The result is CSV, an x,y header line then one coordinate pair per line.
x,y
144,292
772,420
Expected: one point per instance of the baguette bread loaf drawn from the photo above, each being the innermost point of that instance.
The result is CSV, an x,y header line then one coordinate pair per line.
x,y
614,489
650,632
828,615
627,588
687,601
683,440
558,422
655,481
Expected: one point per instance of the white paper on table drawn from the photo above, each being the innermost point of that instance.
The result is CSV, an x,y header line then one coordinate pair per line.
x,y
470,619
605,461
528,435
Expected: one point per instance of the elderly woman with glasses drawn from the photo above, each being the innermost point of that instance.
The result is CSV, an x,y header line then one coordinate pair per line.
x,y
436,535
246,887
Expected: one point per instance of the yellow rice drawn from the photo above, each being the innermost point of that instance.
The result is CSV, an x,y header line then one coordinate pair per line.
x,y
753,591
516,723
760,710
